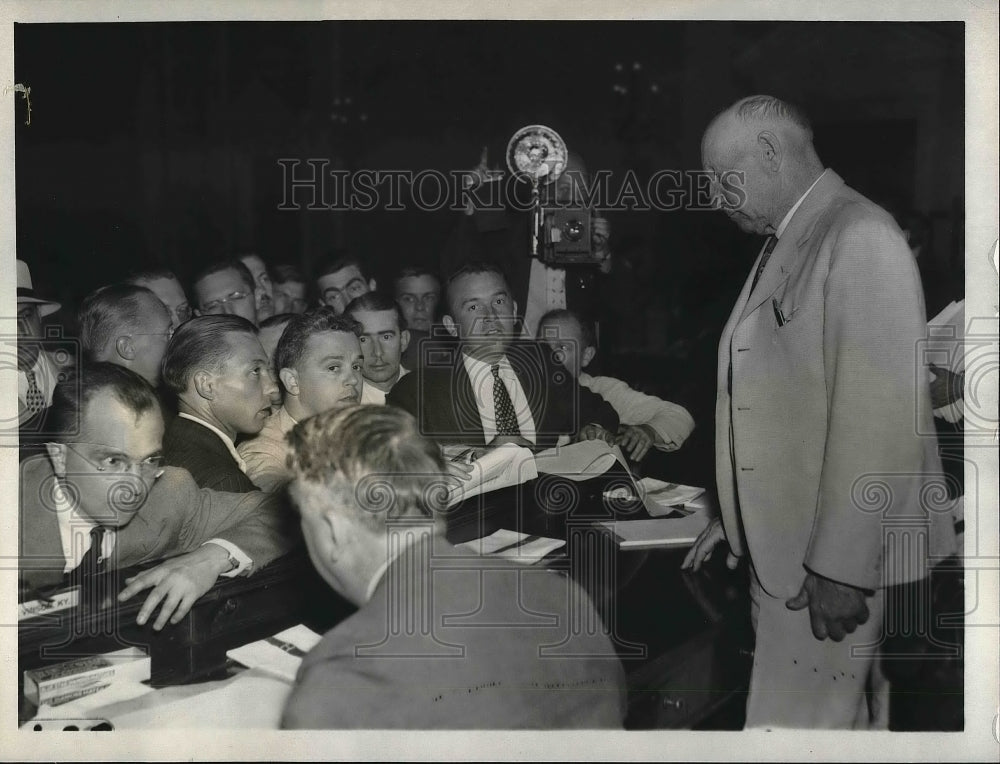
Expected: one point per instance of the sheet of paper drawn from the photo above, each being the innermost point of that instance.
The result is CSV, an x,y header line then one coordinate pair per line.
x,y
670,531
279,655
500,467
580,461
660,497
511,545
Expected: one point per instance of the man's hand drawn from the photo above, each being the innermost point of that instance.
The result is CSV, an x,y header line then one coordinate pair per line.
x,y
177,583
636,440
595,432
835,609
705,544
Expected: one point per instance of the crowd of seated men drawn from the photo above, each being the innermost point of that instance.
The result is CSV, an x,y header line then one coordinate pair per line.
x,y
203,426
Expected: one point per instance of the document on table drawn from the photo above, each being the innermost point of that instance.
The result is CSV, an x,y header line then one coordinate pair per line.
x,y
661,498
580,461
279,655
499,467
511,545
679,529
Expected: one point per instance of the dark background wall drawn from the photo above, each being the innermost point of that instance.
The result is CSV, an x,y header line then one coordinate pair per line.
x,y
159,143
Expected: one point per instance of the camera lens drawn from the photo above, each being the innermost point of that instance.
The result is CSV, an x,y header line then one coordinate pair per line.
x,y
573,229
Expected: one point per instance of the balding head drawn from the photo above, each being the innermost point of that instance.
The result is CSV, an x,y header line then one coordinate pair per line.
x,y
769,142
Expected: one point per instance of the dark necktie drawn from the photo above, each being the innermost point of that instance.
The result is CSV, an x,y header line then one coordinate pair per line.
x,y
34,401
506,419
92,561
769,246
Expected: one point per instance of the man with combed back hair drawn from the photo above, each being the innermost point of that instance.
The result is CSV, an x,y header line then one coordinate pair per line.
x,y
487,649
820,402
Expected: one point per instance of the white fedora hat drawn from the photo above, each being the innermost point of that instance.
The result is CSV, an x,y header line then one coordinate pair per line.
x,y
26,294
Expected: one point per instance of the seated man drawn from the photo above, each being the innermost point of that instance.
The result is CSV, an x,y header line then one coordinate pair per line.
x,y
645,419
226,287
125,325
166,286
457,398
418,292
341,281
319,363
263,289
101,499
453,669
219,372
384,337
289,290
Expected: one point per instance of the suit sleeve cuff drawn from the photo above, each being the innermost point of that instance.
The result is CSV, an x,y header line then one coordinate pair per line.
x,y
245,563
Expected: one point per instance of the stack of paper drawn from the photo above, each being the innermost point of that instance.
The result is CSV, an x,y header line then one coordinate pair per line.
x,y
511,545
499,467
679,529
580,461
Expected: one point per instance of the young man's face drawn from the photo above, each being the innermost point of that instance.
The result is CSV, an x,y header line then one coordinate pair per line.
x,y
418,298
112,464
565,339
482,313
170,292
226,293
337,289
243,387
382,344
329,372
263,288
290,297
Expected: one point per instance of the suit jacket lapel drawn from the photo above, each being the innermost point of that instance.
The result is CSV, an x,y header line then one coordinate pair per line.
x,y
793,238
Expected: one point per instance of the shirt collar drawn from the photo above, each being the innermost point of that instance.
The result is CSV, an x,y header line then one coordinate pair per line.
x,y
788,216
475,366
75,528
230,446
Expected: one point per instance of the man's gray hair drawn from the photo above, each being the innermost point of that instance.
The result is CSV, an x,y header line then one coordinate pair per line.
x,y
765,108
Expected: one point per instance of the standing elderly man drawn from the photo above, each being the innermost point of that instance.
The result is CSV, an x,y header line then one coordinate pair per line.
x,y
819,403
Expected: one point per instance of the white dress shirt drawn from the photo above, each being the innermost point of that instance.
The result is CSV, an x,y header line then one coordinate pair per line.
x,y
230,446
371,394
481,378
75,528
46,377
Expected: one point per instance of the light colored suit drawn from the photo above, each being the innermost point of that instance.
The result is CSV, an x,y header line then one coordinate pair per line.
x,y
266,453
819,457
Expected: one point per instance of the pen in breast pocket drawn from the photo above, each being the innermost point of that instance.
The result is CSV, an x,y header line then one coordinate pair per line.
x,y
778,315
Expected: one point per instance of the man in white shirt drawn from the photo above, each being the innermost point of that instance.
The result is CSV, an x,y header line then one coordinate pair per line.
x,y
384,338
216,367
646,421
319,362
101,499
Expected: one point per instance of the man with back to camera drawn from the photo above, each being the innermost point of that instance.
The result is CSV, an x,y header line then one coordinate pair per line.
x,y
100,498
263,289
342,280
455,671
492,388
126,325
167,288
817,391
418,292
384,337
226,287
216,367
319,363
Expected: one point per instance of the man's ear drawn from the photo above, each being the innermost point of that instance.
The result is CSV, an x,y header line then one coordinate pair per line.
x,y
404,340
587,356
57,455
514,303
449,324
204,384
371,284
125,348
770,149
289,380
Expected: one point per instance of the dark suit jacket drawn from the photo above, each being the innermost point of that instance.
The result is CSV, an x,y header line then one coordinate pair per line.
x,y
177,517
492,650
201,452
441,397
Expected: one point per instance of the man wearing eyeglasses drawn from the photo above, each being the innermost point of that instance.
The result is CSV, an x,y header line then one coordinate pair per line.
x,y
100,499
226,288
166,286
125,325
341,281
